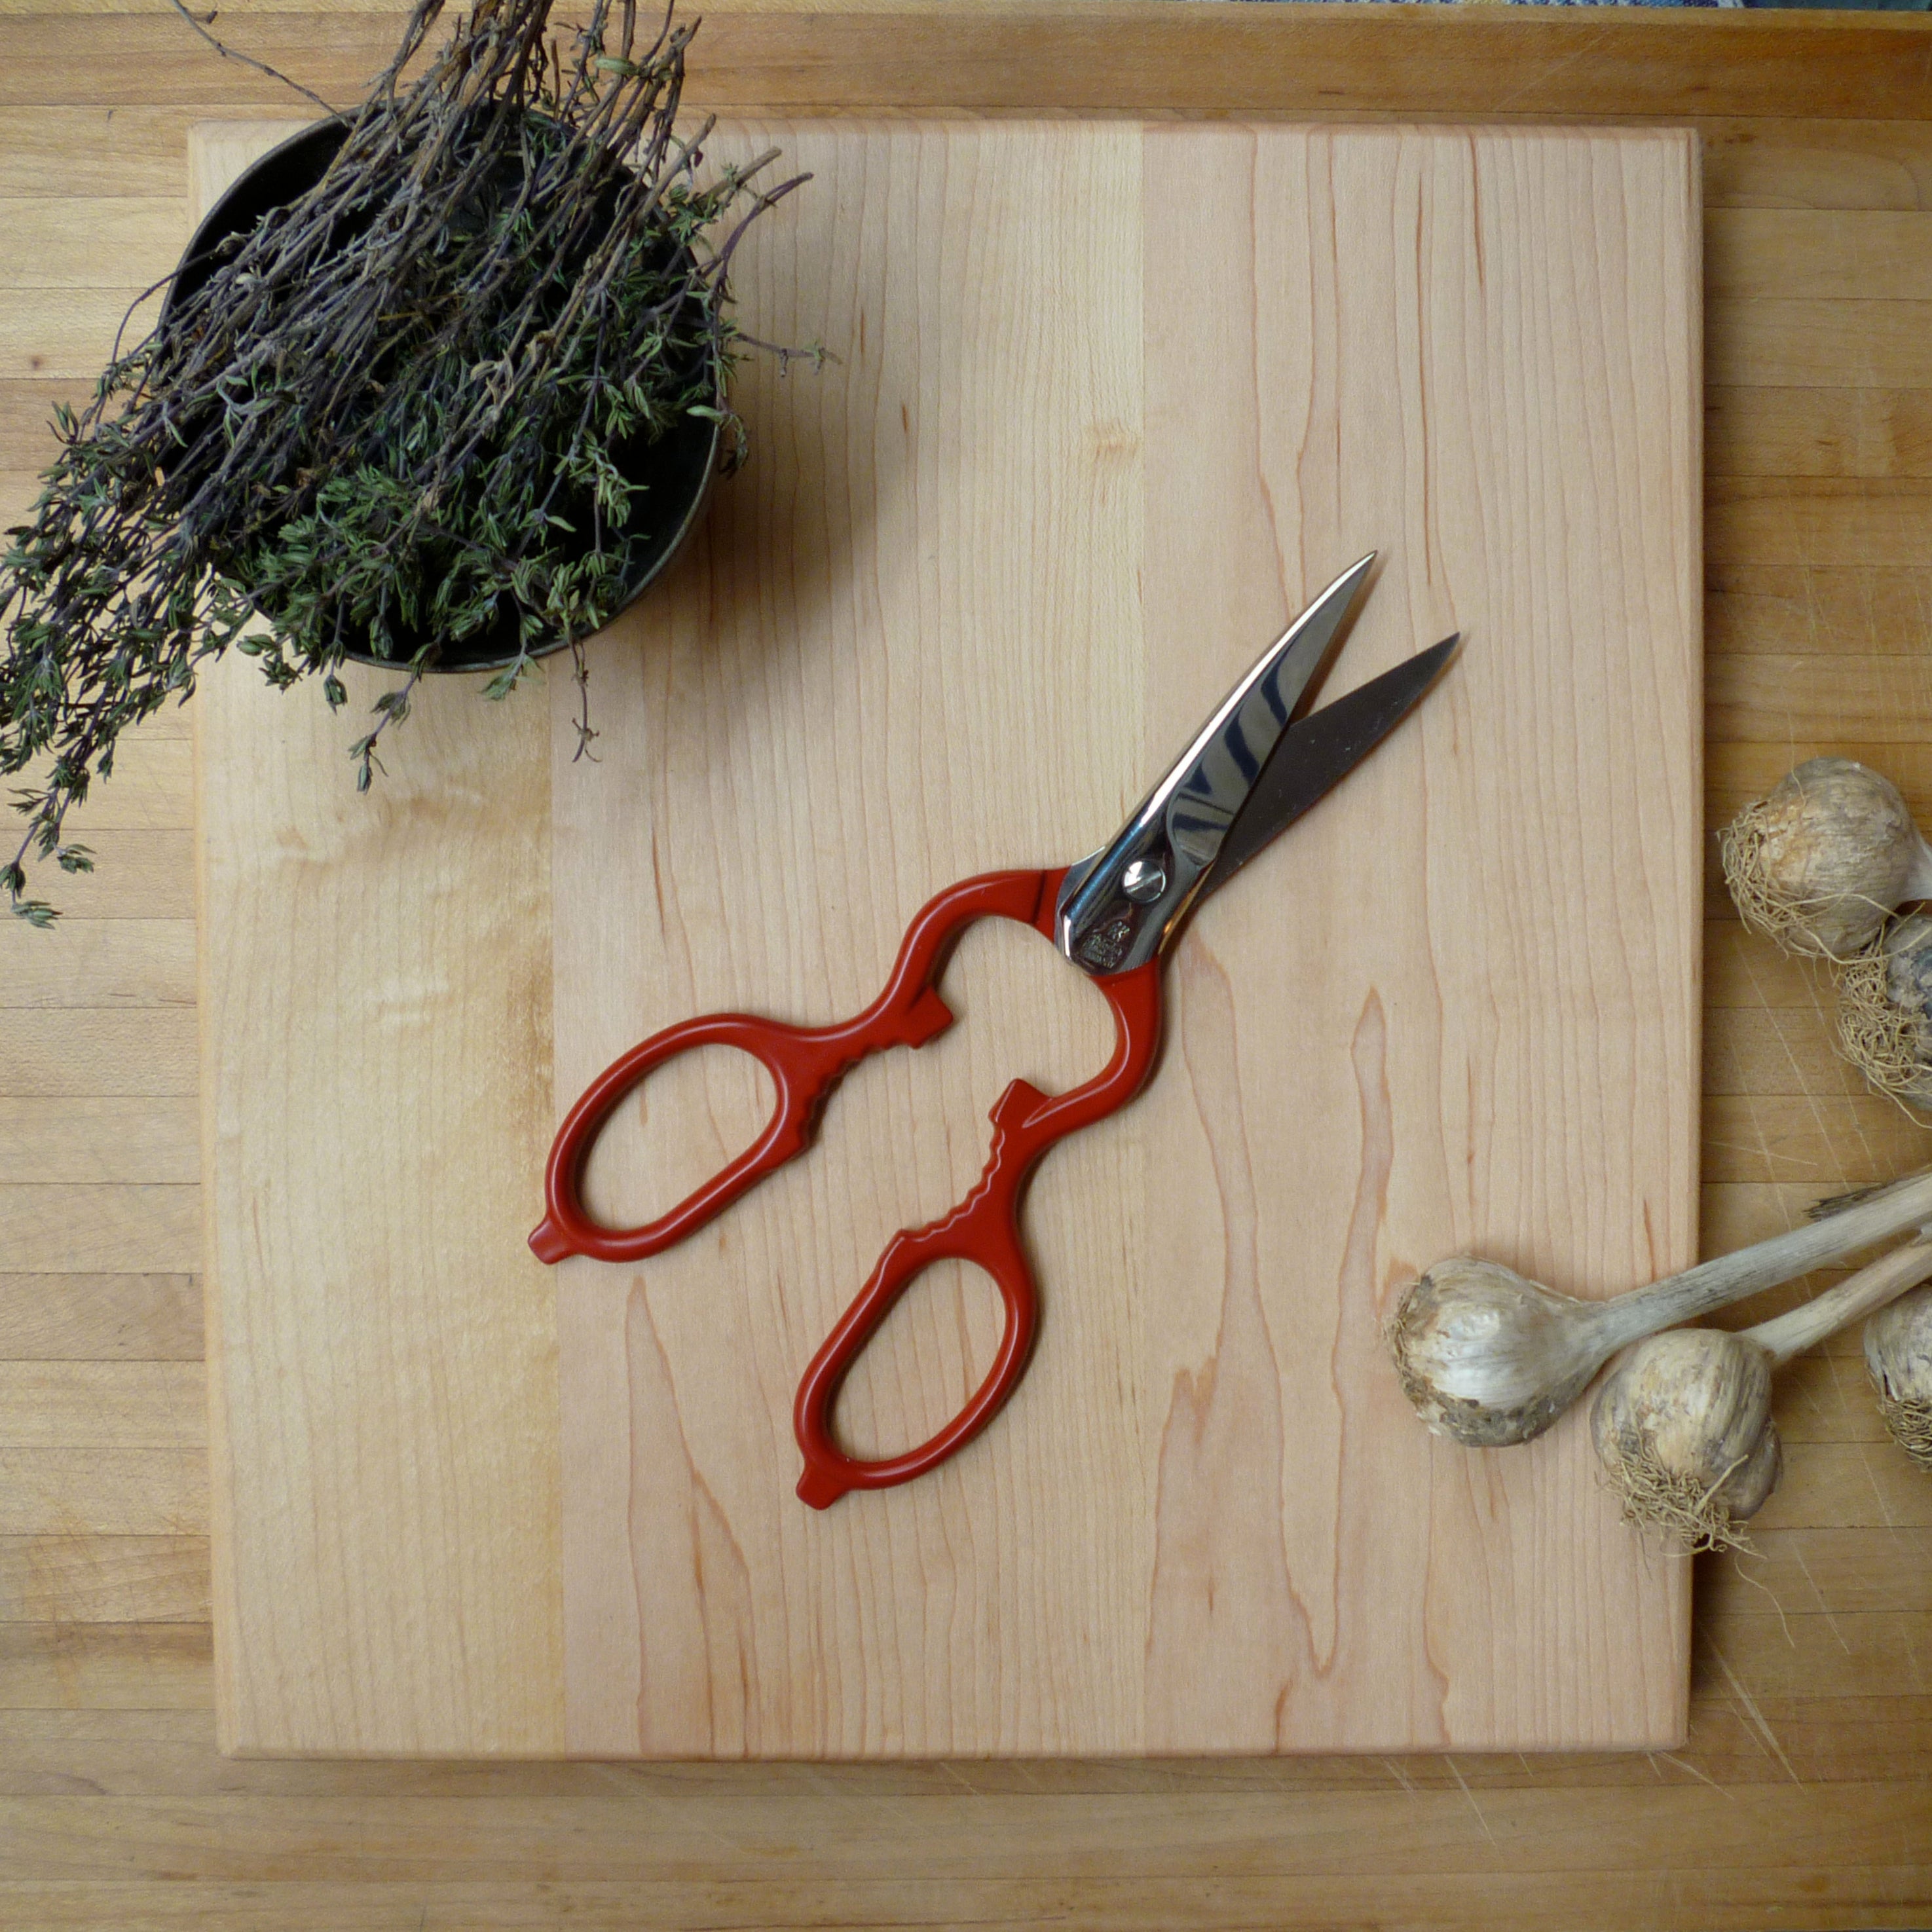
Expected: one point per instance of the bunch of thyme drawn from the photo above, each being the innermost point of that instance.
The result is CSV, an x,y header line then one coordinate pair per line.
x,y
388,419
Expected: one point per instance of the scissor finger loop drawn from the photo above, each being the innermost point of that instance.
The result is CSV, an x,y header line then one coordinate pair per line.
x,y
984,1229
805,1064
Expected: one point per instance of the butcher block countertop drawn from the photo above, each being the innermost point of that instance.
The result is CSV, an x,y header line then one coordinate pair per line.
x,y
1801,1798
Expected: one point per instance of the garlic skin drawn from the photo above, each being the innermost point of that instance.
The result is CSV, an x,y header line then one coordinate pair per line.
x,y
1898,1353
1818,863
1487,1357
1683,1425
1884,995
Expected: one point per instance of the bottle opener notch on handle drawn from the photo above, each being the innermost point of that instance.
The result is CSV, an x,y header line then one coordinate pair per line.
x,y
805,1062
983,1229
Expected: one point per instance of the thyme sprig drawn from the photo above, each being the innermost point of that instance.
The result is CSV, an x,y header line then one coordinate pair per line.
x,y
391,418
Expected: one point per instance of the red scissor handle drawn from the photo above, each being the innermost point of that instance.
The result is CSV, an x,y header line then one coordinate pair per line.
x,y
805,1063
983,1229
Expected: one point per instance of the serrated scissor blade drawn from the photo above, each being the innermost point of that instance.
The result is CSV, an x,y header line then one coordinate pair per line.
x,y
1317,752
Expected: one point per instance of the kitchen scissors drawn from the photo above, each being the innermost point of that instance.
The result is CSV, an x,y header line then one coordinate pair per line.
x,y
1249,772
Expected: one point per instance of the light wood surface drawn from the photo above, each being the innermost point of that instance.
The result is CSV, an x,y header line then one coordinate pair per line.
x,y
1801,1796
982,575
1209,1523
381,1319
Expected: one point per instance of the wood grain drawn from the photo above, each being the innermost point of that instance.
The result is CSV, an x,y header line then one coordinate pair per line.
x,y
1229,1553
103,1404
101,1227
128,963
96,1492
1789,163
1694,1901
93,1052
938,55
375,996
75,1317
106,1579
1783,253
814,1840
380,1321
1849,1757
105,1667
131,1139
1814,342
1809,609
131,239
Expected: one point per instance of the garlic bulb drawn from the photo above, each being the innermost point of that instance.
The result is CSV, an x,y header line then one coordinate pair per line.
x,y
1489,1358
1683,1425
1883,1027
1898,1352
1818,863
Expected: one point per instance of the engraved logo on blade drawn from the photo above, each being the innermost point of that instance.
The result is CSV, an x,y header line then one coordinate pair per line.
x,y
1106,945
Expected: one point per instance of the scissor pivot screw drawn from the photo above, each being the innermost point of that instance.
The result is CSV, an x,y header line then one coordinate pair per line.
x,y
1144,881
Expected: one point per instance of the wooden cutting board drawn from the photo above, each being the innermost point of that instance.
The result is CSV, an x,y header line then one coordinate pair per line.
x,y
1106,402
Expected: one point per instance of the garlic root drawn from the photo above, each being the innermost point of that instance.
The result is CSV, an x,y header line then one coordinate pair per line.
x,y
1884,1028
1898,1353
1682,1423
1489,1358
1818,863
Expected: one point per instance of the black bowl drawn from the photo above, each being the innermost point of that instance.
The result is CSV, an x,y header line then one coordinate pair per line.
x,y
676,469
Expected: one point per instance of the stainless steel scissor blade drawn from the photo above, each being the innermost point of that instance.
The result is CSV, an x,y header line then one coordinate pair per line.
x,y
1117,908
1317,752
